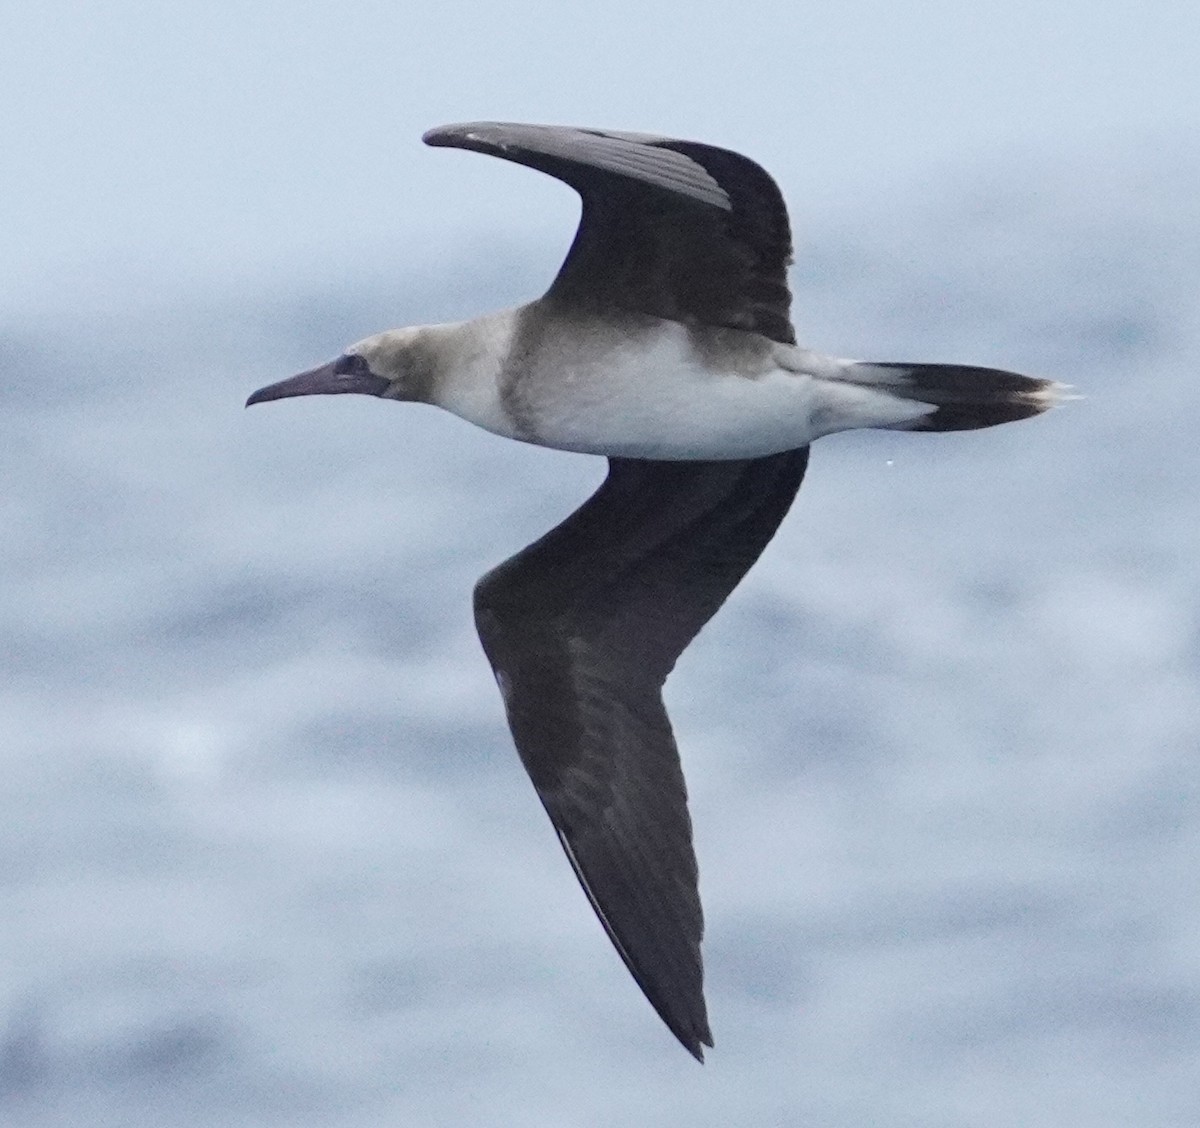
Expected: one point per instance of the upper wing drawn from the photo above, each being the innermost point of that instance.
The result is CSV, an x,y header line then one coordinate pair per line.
x,y
582,628
675,229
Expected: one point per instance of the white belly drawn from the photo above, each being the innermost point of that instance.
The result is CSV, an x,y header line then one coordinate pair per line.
x,y
654,397
657,406
598,388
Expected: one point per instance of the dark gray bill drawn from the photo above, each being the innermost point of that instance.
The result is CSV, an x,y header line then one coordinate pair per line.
x,y
322,381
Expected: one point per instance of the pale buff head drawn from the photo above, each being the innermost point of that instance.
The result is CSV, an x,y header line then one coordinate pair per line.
x,y
396,364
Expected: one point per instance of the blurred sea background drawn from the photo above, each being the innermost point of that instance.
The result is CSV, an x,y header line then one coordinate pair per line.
x,y
267,856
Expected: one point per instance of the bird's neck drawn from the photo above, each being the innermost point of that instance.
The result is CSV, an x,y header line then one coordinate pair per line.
x,y
470,357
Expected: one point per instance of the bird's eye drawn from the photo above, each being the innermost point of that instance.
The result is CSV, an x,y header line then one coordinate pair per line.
x,y
351,364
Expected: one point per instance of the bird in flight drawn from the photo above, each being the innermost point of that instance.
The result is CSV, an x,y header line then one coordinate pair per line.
x,y
665,343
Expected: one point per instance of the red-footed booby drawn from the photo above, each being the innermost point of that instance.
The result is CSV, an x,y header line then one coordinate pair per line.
x,y
664,343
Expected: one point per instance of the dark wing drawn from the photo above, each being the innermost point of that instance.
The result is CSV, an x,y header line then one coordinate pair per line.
x,y
582,628
675,229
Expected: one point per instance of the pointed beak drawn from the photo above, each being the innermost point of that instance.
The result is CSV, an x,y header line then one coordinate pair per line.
x,y
322,381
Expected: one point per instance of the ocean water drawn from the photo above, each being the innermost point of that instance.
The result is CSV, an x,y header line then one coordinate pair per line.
x,y
267,856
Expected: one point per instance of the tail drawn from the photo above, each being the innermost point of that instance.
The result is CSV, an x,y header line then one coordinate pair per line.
x,y
963,397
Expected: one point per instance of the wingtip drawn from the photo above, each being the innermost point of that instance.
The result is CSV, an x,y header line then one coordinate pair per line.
x,y
694,1037
453,135
437,135
695,1046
